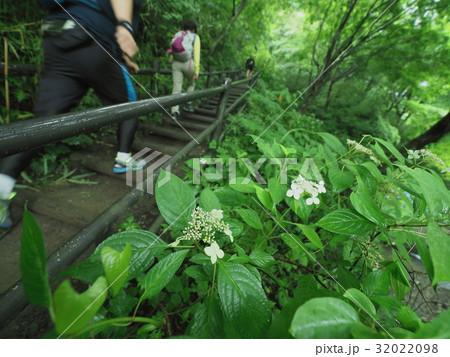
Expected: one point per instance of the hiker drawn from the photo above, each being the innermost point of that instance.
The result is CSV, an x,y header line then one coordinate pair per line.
x,y
97,55
186,62
250,64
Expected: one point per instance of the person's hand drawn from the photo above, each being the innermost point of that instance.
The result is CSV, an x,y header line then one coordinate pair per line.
x,y
132,67
126,41
195,76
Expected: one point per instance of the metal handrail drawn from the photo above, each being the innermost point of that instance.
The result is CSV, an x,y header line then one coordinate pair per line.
x,y
29,70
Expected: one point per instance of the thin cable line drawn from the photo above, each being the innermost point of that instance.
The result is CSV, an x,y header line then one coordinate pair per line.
x,y
324,269
273,122
126,70
126,269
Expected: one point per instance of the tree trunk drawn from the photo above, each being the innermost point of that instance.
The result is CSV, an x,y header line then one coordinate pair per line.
x,y
436,132
232,19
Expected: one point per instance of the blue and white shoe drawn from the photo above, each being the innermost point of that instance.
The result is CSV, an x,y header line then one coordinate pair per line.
x,y
121,166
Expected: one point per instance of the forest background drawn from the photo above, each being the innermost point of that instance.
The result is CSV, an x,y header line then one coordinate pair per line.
x,y
366,70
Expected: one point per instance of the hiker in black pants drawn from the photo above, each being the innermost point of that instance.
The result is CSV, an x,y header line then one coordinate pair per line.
x,y
250,64
87,44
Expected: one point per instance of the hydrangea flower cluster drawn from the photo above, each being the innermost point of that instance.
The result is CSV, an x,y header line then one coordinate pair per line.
x,y
300,185
417,154
203,227
362,149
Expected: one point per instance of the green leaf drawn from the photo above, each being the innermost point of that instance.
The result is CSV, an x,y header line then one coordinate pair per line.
x,y
425,255
243,187
175,200
116,266
438,328
300,208
282,320
74,311
197,273
345,221
208,200
364,204
311,234
324,317
293,242
160,274
243,301
333,142
439,243
144,246
392,149
409,319
250,217
262,259
361,301
376,283
230,198
277,190
33,263
390,303
433,189
208,321
381,155
264,197
341,180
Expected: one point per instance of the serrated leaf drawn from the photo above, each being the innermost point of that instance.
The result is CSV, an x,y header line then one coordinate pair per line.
x,y
175,199
208,321
209,201
197,273
392,149
345,221
246,187
73,311
439,243
341,180
364,204
250,217
277,190
376,283
33,263
264,197
293,242
333,142
311,234
116,266
262,259
434,191
144,246
324,317
243,301
160,274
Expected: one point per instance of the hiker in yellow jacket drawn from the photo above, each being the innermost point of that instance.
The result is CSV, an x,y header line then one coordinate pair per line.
x,y
186,62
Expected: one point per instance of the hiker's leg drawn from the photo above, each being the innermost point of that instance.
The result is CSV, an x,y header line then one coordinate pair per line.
x,y
177,76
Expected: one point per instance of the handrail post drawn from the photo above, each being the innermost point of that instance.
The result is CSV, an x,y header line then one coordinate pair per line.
x,y
220,114
157,68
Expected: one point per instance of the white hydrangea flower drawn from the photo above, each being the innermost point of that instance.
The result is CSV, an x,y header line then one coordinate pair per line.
x,y
217,213
203,227
203,161
300,185
214,252
312,200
